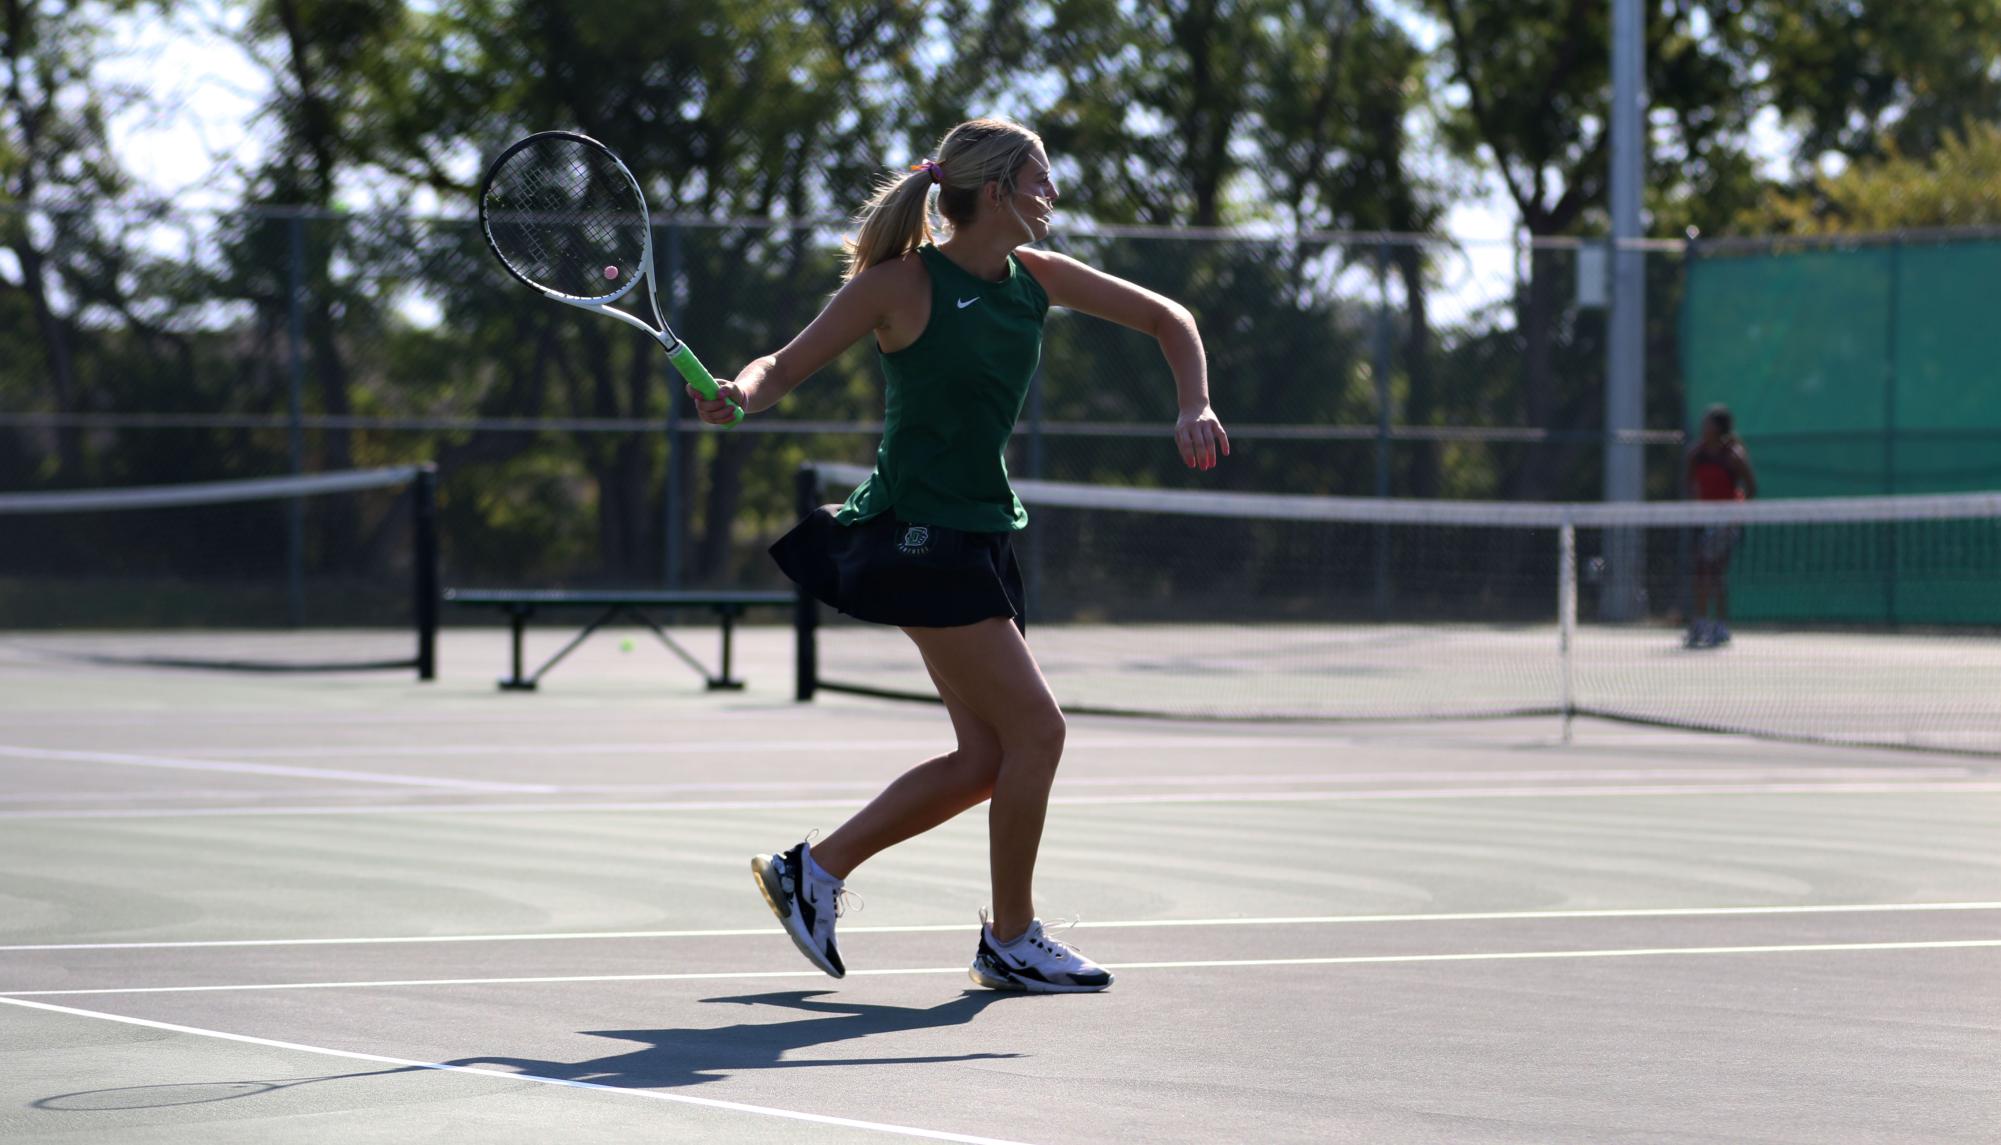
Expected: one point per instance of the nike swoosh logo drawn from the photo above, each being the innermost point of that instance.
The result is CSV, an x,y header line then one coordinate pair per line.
x,y
965,302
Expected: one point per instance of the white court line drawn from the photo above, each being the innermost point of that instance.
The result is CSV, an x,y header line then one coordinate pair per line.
x,y
1280,778
1350,960
1266,779
179,764
178,795
649,1094
1192,741
1135,924
1218,797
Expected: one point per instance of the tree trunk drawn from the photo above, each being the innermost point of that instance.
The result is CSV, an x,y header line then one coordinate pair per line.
x,y
724,497
341,525
1420,407
1532,478
61,362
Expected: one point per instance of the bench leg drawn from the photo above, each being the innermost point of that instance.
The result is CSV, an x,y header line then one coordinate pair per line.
x,y
725,683
517,620
687,657
552,661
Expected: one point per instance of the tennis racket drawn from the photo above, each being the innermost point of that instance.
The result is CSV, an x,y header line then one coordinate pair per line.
x,y
566,217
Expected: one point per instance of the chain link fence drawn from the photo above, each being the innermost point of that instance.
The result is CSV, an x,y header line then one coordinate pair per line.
x,y
149,347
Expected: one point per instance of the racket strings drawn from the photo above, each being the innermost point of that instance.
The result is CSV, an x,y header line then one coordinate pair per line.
x,y
561,215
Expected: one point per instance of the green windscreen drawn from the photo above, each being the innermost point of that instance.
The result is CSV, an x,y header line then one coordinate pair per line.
x,y
1853,372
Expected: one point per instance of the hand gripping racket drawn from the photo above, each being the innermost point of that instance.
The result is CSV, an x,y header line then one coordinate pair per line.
x,y
567,218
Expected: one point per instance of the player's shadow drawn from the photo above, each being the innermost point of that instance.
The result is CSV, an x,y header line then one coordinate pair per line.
x,y
692,1056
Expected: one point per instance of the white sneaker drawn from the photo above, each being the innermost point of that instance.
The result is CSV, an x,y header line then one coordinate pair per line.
x,y
1035,963
806,905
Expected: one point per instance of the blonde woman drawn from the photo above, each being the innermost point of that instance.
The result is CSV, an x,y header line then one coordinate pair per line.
x,y
922,544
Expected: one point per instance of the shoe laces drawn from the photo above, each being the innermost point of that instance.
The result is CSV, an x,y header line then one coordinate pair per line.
x,y
845,901
1063,947
1038,936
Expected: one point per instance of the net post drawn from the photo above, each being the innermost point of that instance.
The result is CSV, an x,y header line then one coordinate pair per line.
x,y
295,432
1566,615
806,614
424,526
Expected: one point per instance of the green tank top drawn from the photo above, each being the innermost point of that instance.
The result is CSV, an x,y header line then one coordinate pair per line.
x,y
952,400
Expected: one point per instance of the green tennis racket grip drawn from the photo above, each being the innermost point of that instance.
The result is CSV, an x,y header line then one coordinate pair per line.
x,y
698,376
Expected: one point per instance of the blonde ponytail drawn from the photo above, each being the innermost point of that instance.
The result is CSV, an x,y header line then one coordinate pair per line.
x,y
897,218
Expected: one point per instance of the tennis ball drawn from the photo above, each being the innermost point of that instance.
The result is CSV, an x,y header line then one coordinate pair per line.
x,y
611,272
625,646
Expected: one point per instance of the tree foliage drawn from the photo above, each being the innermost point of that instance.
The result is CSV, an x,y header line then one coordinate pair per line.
x,y
755,122
1957,185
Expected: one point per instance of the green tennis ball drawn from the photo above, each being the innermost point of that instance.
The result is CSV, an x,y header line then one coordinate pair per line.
x,y
625,646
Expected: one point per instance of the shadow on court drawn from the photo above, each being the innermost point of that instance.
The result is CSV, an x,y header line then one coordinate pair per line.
x,y
190,1093
693,1056
671,1058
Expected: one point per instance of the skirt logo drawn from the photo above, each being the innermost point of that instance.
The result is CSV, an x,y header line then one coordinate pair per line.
x,y
916,541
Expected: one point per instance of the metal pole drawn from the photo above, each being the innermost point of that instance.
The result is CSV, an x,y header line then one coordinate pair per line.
x,y
1036,458
1890,428
295,513
425,530
1566,616
1380,367
1037,464
673,520
1625,362
806,614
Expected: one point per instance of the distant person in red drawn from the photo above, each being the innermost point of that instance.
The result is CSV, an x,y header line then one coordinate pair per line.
x,y
1719,469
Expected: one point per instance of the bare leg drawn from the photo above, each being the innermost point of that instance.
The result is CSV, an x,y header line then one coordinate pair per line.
x,y
989,667
1704,579
921,798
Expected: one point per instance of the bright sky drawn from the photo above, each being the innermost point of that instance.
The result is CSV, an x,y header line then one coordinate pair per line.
x,y
206,91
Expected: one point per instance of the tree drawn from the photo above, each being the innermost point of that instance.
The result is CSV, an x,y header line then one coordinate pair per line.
x,y
724,110
1868,78
1534,80
1154,101
1291,114
1957,185
1334,139
56,161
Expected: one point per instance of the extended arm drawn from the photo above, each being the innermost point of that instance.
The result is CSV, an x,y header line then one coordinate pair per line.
x,y
1746,476
856,309
1072,285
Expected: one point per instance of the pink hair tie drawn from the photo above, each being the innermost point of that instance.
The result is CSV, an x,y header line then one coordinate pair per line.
x,y
931,165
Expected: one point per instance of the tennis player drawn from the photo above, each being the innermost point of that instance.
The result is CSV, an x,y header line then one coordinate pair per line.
x,y
922,544
1719,469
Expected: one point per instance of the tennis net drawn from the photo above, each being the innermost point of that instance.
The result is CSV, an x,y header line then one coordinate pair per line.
x,y
169,569
1873,621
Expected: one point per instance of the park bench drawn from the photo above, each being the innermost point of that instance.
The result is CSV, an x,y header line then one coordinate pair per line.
x,y
609,605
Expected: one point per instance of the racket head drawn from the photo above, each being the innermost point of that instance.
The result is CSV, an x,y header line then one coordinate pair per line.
x,y
560,210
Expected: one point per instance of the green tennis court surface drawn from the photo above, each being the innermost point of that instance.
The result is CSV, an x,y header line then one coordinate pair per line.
x,y
355,907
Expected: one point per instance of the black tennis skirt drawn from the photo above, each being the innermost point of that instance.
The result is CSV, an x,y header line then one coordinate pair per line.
x,y
890,571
